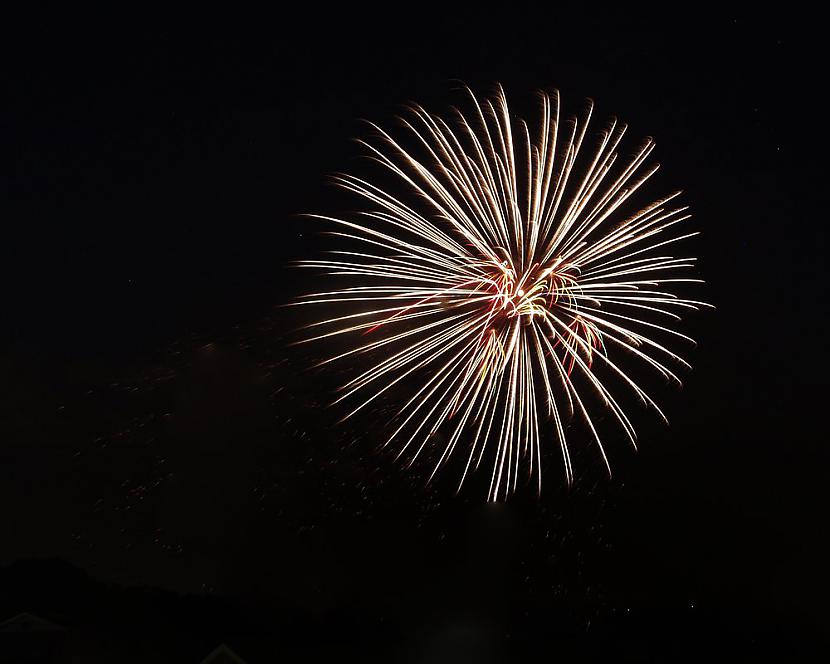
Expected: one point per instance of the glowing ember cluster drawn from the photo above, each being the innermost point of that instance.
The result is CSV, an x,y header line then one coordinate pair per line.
x,y
500,286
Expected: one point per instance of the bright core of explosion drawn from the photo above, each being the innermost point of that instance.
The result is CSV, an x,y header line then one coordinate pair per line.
x,y
498,282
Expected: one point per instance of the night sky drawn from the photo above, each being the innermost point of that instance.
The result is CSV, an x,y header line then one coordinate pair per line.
x,y
159,431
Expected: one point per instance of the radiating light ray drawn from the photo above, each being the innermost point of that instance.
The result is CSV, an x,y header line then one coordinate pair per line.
x,y
502,277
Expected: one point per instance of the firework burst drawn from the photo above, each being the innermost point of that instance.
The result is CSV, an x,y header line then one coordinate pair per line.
x,y
501,282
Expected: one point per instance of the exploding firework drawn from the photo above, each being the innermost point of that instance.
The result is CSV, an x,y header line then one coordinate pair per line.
x,y
499,280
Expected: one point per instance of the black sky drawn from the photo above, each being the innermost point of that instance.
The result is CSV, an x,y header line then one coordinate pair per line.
x,y
157,430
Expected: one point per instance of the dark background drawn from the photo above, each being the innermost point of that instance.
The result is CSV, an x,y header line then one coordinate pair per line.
x,y
170,477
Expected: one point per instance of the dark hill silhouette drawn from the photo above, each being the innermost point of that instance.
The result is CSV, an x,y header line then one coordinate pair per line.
x,y
106,622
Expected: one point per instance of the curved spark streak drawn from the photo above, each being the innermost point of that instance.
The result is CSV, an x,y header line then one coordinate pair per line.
x,y
504,282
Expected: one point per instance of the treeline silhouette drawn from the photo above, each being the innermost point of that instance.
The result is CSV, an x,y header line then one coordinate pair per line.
x,y
52,611
110,623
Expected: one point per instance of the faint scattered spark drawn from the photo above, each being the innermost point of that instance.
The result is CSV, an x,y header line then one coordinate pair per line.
x,y
504,284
